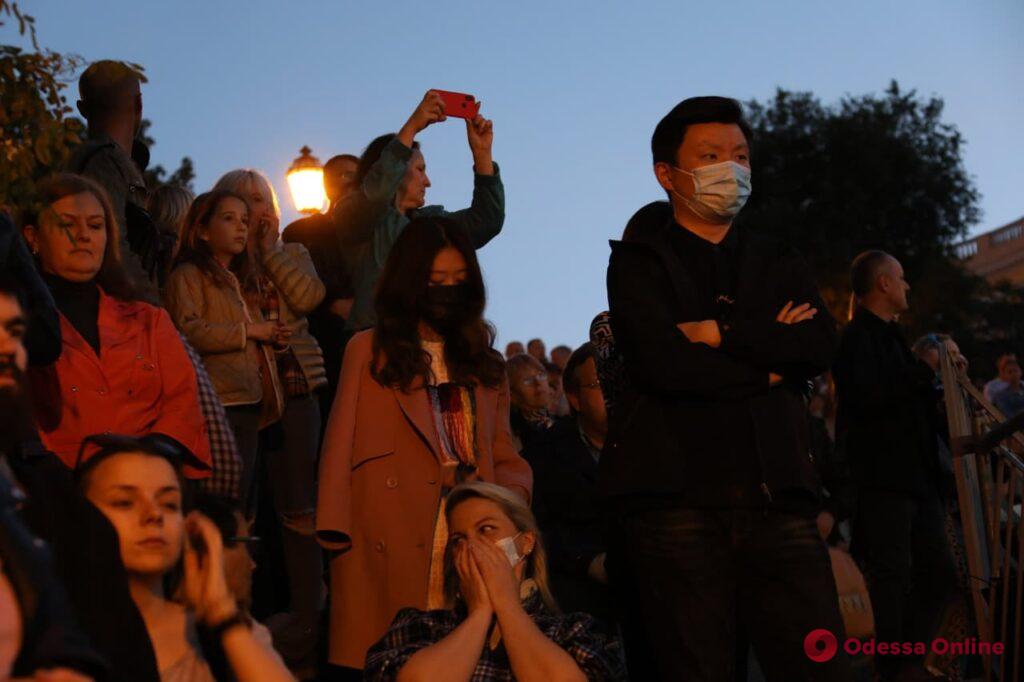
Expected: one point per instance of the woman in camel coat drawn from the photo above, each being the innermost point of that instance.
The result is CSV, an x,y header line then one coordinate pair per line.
x,y
422,405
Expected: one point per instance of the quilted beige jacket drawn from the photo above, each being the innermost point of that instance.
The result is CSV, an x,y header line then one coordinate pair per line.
x,y
214,317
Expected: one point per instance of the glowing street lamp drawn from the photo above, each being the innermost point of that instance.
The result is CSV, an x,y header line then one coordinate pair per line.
x,y
306,183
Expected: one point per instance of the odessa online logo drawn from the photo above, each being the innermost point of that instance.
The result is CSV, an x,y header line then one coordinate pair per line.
x,y
820,645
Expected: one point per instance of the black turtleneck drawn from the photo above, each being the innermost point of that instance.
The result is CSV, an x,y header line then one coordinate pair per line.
x,y
80,303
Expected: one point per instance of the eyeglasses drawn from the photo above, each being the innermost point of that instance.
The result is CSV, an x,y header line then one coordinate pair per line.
x,y
535,380
250,541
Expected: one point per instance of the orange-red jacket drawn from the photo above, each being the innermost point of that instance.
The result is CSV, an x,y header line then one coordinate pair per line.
x,y
141,382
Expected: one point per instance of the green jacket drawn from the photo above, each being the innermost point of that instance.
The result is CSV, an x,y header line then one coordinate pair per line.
x,y
482,220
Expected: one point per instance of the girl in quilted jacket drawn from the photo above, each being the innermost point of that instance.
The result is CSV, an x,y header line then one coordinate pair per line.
x,y
241,297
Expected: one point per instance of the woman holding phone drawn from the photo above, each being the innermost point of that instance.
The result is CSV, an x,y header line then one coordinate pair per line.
x,y
391,190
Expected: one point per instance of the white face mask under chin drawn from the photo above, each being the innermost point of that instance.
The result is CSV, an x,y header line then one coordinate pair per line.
x,y
508,545
719,191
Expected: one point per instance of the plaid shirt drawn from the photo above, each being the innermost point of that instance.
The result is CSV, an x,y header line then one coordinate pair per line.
x,y
598,656
227,465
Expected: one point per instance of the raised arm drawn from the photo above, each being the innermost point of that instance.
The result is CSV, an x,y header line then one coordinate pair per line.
x,y
291,269
455,656
207,595
534,657
485,216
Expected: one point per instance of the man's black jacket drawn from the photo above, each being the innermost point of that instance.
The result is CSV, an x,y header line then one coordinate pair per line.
x,y
887,411
569,513
675,437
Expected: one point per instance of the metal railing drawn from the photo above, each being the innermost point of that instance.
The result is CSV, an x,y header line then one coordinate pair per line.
x,y
990,487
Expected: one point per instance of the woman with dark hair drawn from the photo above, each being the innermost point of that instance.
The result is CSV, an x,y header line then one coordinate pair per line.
x,y
123,367
422,406
202,635
392,184
499,620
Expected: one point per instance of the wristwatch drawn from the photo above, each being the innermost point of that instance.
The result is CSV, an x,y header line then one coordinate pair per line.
x,y
218,629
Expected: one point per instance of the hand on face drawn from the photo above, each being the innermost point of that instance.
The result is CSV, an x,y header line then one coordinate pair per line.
x,y
471,582
498,575
206,590
267,231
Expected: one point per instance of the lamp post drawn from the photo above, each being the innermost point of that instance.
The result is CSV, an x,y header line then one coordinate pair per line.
x,y
306,183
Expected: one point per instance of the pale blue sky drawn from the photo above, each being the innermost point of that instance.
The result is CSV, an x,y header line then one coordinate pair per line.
x,y
574,89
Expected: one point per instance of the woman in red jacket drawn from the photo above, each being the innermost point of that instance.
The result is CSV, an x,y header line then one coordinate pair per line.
x,y
123,367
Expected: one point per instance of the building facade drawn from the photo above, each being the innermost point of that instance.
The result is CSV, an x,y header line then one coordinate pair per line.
x,y
997,255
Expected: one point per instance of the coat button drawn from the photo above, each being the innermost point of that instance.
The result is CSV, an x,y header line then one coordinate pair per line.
x,y
431,482
139,357
379,546
74,389
391,482
102,391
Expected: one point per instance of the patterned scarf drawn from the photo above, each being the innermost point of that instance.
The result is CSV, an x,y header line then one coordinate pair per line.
x,y
454,409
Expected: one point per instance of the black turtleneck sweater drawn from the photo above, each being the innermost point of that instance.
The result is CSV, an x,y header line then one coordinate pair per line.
x,y
79,302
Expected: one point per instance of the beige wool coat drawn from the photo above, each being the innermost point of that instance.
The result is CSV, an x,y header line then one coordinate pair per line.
x,y
214,317
379,495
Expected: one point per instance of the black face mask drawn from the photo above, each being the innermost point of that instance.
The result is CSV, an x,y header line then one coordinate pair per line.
x,y
446,307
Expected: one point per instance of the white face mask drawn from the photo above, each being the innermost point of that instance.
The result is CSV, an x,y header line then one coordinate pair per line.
x,y
719,190
508,545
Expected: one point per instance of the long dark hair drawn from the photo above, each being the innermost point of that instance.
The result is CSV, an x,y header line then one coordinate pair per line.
x,y
112,277
399,358
197,251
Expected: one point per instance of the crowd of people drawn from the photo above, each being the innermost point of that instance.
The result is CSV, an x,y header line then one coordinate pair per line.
x,y
671,499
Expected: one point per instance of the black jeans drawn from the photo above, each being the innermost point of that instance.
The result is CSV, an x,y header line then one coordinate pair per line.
x,y
910,570
245,422
685,579
292,448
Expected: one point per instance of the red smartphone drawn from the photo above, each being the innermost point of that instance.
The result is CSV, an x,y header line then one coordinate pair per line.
x,y
459,104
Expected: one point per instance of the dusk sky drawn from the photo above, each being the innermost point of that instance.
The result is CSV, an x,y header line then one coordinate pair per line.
x,y
574,89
